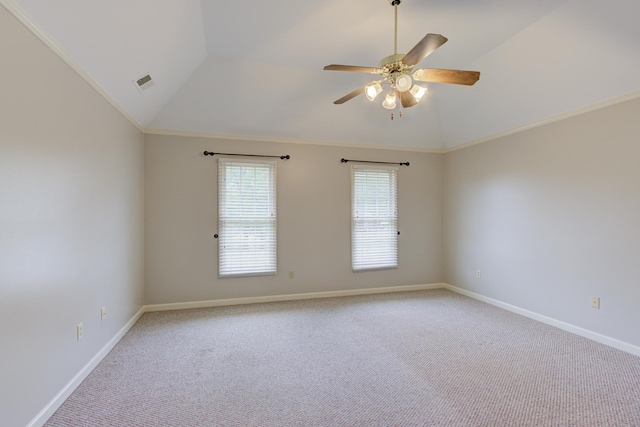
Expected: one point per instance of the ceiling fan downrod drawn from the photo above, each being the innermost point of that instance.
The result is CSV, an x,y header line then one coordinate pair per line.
x,y
395,4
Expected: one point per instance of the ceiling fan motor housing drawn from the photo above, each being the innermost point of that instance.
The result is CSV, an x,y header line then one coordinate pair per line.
x,y
392,61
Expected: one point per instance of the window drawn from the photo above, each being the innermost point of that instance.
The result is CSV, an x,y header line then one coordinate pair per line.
x,y
246,218
374,235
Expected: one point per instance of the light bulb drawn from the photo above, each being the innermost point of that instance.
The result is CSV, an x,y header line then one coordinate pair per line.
x,y
418,92
390,100
372,90
404,82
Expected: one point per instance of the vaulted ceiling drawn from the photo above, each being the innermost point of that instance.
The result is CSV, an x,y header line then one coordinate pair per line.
x,y
253,68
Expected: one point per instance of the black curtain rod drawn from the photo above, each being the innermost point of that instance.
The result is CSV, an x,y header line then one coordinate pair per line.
x,y
343,160
209,153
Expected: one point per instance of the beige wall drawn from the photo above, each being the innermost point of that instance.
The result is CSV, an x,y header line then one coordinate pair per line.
x,y
314,207
551,217
70,223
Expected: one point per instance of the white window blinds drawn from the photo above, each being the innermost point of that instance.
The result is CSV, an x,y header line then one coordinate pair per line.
x,y
246,218
374,236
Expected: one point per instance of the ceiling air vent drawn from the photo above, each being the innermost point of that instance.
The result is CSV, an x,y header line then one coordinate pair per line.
x,y
143,83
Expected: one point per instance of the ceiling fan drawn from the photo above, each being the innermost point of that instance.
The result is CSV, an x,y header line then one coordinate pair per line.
x,y
397,71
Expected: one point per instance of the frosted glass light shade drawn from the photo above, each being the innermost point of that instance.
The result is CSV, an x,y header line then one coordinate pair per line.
x,y
418,92
404,82
390,101
372,90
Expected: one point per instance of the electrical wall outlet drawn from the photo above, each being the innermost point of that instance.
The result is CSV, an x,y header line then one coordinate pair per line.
x,y
79,331
291,275
103,313
478,274
595,302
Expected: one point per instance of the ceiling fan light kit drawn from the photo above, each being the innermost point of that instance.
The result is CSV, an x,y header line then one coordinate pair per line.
x,y
418,92
372,90
398,72
390,100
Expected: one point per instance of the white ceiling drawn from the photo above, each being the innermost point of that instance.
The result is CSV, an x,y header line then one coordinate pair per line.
x,y
253,68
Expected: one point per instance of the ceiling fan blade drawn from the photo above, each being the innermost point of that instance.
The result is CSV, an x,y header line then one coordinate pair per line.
x,y
350,95
355,68
407,99
424,48
456,77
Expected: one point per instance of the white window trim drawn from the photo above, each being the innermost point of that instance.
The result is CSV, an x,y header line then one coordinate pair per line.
x,y
268,272
354,168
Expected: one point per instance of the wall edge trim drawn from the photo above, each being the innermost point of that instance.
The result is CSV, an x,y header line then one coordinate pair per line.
x,y
577,330
41,418
288,297
55,403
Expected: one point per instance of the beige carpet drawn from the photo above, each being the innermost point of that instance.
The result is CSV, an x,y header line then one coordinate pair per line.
x,y
428,358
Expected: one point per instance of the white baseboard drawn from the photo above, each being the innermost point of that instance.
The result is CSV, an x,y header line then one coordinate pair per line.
x,y
55,403
289,297
66,391
603,339
58,400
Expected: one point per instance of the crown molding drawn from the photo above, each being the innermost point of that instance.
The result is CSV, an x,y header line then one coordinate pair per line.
x,y
558,117
259,138
31,26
